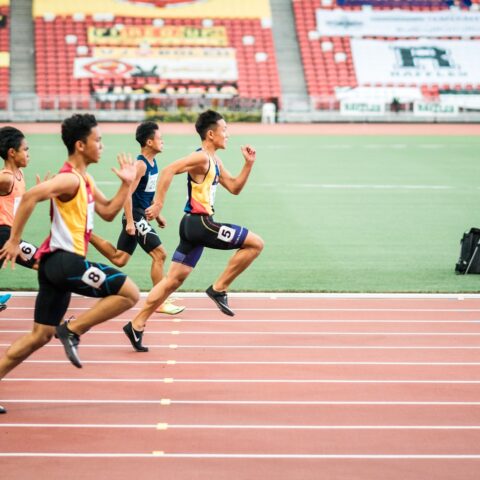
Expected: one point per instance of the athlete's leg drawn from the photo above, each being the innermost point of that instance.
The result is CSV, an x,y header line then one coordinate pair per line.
x,y
243,257
158,255
25,346
106,308
176,275
118,257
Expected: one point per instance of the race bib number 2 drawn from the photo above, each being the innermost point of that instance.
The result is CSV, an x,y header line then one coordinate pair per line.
x,y
143,227
94,277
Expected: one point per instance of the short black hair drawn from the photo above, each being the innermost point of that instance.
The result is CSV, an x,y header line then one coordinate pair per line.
x,y
206,122
77,127
145,131
10,137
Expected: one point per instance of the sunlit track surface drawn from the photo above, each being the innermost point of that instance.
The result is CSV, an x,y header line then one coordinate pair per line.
x,y
301,387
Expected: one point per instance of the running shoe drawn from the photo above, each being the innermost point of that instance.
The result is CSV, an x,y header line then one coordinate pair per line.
x,y
2,410
169,308
2,307
220,298
5,298
135,337
70,343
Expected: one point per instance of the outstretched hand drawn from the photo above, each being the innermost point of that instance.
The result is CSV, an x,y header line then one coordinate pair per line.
x,y
9,253
127,170
249,153
38,180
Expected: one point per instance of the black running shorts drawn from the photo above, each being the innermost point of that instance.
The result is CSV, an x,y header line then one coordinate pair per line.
x,y
62,273
145,235
199,231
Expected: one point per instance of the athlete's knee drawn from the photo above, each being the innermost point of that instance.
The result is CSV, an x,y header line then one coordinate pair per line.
x,y
255,242
158,255
40,336
130,292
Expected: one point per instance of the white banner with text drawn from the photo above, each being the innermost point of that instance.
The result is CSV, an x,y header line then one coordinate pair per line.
x,y
398,23
422,61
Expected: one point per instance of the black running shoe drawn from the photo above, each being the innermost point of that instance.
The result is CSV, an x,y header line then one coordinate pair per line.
x,y
135,337
220,298
2,410
2,307
70,343
65,321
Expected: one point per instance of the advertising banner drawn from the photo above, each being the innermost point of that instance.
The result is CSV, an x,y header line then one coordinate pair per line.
x,y
429,109
134,35
398,23
362,108
422,61
213,64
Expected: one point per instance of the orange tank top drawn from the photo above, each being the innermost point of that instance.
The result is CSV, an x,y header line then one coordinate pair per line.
x,y
10,201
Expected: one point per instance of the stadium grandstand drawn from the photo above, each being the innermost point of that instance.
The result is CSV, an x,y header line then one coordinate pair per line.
x,y
312,60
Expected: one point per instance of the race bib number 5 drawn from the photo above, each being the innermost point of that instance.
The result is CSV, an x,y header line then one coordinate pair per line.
x,y
226,234
94,277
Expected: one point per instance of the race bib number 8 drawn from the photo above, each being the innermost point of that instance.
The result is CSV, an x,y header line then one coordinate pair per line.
x,y
28,250
94,277
226,234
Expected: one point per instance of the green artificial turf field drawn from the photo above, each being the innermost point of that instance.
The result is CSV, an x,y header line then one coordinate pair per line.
x,y
337,213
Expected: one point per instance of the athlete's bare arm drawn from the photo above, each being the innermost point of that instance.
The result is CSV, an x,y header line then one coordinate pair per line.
x,y
196,164
108,209
6,183
64,186
235,184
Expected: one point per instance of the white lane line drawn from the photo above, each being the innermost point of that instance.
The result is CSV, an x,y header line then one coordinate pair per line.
x,y
168,426
241,456
295,321
240,381
303,295
271,347
259,333
243,362
169,402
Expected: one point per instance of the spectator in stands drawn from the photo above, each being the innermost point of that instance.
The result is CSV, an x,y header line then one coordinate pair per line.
x,y
198,229
136,230
63,268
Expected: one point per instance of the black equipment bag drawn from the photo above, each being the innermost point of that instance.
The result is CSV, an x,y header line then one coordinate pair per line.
x,y
469,261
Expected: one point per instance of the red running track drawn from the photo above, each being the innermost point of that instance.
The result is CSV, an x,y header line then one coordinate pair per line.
x,y
290,388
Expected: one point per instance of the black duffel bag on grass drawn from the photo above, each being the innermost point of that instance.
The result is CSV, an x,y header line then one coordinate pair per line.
x,y
469,261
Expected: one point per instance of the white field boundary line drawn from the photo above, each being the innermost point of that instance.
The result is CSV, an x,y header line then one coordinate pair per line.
x,y
260,333
168,426
273,322
242,362
169,402
240,381
276,347
276,295
240,456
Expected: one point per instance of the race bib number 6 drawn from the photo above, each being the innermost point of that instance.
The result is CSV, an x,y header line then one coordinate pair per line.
x,y
28,250
94,277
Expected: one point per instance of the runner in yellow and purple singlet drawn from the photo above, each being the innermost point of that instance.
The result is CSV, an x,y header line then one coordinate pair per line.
x,y
198,229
